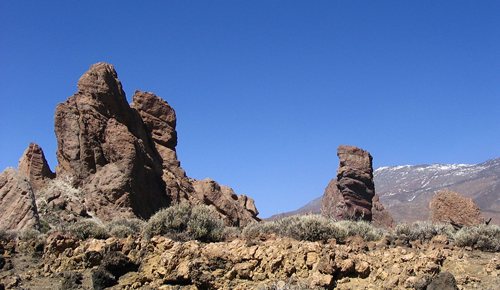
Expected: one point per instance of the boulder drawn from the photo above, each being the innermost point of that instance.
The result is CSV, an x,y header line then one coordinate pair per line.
x,y
35,167
104,146
17,202
350,195
451,207
238,210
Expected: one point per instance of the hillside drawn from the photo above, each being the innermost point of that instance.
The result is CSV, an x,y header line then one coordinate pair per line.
x,y
406,190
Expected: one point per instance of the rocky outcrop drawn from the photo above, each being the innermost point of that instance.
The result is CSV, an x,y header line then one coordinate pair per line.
x,y
105,147
160,120
380,215
123,158
350,196
239,210
17,202
450,207
35,167
115,160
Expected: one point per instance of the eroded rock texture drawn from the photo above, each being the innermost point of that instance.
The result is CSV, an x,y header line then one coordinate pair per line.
x,y
450,207
35,167
105,147
123,157
160,120
351,194
239,210
17,202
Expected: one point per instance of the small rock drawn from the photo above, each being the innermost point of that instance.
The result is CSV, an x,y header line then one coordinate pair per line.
x,y
443,281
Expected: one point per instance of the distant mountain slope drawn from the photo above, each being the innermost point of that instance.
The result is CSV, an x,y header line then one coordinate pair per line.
x,y
406,190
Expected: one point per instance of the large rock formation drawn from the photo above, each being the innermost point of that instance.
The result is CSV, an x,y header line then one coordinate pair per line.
x,y
350,196
35,167
17,202
123,157
105,147
160,120
115,160
450,207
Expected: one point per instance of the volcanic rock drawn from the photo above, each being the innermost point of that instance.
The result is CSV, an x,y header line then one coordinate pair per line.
x,y
104,146
17,202
350,196
160,120
35,167
239,210
451,207
380,215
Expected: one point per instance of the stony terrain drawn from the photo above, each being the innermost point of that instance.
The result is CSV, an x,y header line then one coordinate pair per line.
x,y
261,263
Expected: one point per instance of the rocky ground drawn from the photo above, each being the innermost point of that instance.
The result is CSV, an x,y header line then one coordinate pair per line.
x,y
63,262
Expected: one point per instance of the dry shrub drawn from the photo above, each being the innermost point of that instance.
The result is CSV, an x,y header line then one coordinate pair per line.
x,y
85,229
423,231
361,228
306,227
482,237
122,228
186,222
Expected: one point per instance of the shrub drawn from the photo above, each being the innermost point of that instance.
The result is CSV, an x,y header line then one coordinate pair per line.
x,y
306,227
310,228
29,234
361,228
85,229
184,222
8,235
123,228
205,225
423,231
483,237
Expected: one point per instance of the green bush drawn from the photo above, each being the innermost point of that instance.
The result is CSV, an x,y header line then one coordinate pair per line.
x,y
423,231
185,222
482,237
361,228
122,228
85,229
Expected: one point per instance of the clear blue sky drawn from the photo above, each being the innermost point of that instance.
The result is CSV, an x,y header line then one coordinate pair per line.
x,y
265,91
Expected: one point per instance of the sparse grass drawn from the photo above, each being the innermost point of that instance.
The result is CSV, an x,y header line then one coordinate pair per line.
x,y
186,222
423,231
85,229
482,237
122,228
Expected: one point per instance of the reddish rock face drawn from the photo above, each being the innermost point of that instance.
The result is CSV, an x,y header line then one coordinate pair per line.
x,y
105,147
381,216
238,210
160,120
17,202
450,207
35,167
351,194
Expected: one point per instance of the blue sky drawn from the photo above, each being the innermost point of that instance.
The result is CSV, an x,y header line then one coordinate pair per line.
x,y
265,91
